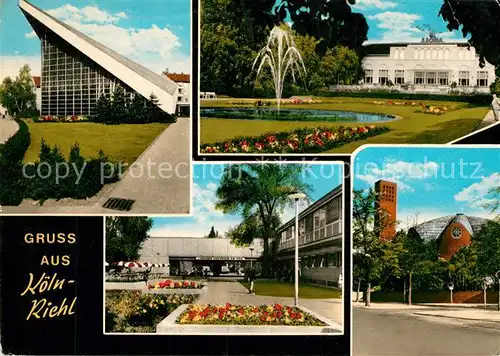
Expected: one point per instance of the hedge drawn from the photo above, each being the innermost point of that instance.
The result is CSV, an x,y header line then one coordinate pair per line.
x,y
478,99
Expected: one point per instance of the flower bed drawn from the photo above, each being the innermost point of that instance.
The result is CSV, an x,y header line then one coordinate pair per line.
x,y
304,140
248,315
132,311
169,284
433,110
71,118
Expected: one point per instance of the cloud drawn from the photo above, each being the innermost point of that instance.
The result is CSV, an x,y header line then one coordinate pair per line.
x,y
31,34
399,172
85,14
154,47
10,65
478,195
379,4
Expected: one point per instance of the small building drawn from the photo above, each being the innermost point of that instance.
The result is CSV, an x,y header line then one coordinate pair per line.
x,y
320,240
207,95
183,92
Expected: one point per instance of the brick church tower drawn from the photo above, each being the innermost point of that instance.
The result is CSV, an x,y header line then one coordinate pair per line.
x,y
387,198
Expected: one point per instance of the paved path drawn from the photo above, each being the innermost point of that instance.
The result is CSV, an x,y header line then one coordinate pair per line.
x,y
160,180
8,128
235,293
395,332
488,119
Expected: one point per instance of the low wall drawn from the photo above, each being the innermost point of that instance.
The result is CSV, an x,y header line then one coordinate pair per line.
x,y
198,291
473,297
169,326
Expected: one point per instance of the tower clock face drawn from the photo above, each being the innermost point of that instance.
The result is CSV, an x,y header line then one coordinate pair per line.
x,y
456,233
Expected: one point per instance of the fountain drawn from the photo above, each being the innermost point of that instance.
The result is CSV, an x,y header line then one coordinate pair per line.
x,y
281,55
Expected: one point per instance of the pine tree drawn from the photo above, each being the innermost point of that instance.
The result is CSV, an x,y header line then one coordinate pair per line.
x,y
119,105
137,109
102,109
212,233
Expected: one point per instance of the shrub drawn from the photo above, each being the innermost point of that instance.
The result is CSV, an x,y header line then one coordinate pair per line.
x,y
12,187
478,99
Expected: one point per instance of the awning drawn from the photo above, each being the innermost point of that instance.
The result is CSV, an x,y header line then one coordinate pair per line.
x,y
139,264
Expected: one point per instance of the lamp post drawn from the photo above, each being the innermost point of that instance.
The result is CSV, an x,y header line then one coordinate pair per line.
x,y
251,257
296,197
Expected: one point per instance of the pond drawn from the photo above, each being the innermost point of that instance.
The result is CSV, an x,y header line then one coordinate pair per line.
x,y
292,114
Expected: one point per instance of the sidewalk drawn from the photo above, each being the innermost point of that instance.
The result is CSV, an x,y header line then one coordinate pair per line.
x,y
457,311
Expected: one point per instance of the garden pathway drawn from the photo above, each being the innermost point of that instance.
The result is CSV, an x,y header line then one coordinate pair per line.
x,y
488,119
235,293
160,180
8,128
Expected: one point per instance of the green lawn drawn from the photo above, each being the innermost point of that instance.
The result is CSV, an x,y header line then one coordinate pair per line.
x,y
412,128
121,143
276,289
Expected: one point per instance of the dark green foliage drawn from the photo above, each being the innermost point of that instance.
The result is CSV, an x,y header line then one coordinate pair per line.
x,y
12,154
477,99
119,105
479,22
125,236
212,234
102,110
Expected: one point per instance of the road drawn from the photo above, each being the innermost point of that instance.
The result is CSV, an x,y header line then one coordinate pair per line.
x,y
393,332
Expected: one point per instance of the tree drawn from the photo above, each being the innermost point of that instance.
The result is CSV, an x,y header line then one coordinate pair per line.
x,y
212,233
119,105
102,110
340,65
372,256
137,109
19,96
331,20
488,247
479,21
258,190
125,237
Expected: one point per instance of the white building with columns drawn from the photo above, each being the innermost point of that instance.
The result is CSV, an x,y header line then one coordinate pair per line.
x,y
431,66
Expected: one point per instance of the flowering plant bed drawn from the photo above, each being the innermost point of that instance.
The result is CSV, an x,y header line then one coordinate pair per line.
x,y
245,319
247,315
71,118
306,140
132,311
433,110
169,284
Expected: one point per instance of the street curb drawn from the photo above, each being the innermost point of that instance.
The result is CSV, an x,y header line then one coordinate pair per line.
x,y
458,317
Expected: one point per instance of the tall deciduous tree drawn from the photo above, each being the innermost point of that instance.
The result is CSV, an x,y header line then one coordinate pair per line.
x,y
340,65
371,254
262,190
332,20
19,96
479,21
125,237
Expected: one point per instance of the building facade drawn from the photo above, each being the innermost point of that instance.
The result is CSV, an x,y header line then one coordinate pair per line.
x,y
181,254
432,66
450,232
77,70
386,204
183,92
320,240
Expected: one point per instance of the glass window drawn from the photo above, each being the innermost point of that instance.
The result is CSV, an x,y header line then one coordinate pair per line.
x,y
443,78
431,78
369,76
383,76
419,78
482,79
463,78
399,76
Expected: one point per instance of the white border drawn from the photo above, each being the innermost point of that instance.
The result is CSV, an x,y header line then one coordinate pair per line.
x,y
352,179
344,295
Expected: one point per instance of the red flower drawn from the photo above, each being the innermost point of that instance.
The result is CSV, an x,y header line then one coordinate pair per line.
x,y
259,146
278,306
271,139
241,311
193,284
185,284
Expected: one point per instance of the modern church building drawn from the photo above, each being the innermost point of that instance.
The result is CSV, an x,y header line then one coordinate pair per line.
x,y
429,66
77,70
320,240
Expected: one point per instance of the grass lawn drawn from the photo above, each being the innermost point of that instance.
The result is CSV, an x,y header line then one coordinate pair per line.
x,y
121,143
276,289
412,128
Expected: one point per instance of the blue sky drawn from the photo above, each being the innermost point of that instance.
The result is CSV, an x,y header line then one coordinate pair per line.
x,y
432,182
153,33
400,20
322,177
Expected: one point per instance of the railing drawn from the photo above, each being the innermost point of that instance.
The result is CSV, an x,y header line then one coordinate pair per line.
x,y
323,233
